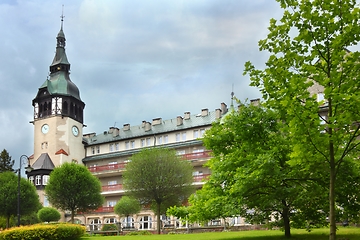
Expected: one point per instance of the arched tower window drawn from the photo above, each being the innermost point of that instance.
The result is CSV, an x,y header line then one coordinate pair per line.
x,y
65,107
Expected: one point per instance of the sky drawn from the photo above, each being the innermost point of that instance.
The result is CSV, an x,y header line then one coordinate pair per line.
x,y
132,60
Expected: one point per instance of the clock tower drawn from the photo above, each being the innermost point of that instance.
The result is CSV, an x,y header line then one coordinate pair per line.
x,y
58,118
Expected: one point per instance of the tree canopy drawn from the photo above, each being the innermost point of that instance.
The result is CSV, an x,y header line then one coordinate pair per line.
x,y
157,177
73,188
6,163
309,53
252,176
29,199
127,206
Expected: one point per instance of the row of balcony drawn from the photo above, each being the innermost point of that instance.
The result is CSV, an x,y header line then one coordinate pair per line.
x,y
121,166
118,187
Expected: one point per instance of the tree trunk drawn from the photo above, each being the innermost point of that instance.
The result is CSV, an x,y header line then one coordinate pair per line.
x,y
158,223
332,235
286,219
72,216
7,221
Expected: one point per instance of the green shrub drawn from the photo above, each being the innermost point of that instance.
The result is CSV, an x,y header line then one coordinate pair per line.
x,y
57,231
138,233
109,227
48,214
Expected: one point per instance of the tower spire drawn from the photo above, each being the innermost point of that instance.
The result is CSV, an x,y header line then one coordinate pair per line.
x,y
62,16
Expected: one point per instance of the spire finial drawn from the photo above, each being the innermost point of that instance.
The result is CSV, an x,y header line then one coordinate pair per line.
x,y
62,16
232,95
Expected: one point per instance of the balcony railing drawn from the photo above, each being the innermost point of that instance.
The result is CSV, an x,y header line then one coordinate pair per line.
x,y
110,188
106,168
197,155
121,166
102,210
200,178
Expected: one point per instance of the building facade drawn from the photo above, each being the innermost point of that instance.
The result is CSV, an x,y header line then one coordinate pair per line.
x,y
58,138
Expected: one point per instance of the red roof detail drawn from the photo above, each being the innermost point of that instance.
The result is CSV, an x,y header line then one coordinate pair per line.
x,y
61,151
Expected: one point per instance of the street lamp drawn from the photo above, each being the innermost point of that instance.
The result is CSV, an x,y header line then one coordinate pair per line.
x,y
27,169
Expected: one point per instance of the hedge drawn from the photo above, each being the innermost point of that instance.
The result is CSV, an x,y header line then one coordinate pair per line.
x,y
57,231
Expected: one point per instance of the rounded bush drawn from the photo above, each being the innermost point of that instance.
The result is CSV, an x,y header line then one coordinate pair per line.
x,y
48,214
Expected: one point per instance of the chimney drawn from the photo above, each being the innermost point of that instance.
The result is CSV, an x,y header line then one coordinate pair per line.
x,y
156,121
126,127
223,108
147,126
255,102
179,121
143,124
115,132
218,113
204,112
111,129
187,115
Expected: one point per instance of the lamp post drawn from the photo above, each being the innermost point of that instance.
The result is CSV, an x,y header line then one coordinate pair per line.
x,y
28,169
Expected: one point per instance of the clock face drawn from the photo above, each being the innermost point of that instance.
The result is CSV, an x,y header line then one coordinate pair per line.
x,y
75,131
45,128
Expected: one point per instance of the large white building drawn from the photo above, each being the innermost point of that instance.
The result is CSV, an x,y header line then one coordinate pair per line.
x,y
58,138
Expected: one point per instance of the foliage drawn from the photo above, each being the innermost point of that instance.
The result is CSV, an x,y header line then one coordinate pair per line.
x,y
138,233
127,206
45,231
298,234
72,187
29,199
109,227
48,214
308,51
6,163
157,177
251,175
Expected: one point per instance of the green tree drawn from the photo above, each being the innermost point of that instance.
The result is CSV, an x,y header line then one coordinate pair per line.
x,y
48,214
158,177
127,206
251,173
6,163
9,196
308,50
73,188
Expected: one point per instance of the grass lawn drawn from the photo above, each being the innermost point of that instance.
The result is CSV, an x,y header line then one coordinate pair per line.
x,y
297,234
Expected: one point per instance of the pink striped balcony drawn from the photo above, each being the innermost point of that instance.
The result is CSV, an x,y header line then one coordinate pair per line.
x,y
198,155
200,178
110,188
107,168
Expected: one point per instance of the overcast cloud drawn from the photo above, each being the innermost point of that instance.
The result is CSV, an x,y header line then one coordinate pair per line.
x,y
132,60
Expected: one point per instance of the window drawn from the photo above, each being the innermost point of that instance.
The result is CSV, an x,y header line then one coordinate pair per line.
x,y
160,140
127,222
97,149
180,152
142,142
117,146
183,136
196,134
92,150
145,222
110,220
132,144
148,142
113,182
166,139
127,145
38,180
111,203
111,147
46,179
46,201
177,137
31,179
202,131
95,224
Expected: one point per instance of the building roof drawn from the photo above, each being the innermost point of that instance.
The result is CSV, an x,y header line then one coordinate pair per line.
x,y
158,126
43,162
